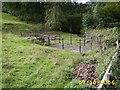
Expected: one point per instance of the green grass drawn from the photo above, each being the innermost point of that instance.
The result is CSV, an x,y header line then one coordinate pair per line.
x,y
30,65
26,64
7,18
13,24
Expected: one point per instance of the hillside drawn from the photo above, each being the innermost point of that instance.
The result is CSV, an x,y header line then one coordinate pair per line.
x,y
31,65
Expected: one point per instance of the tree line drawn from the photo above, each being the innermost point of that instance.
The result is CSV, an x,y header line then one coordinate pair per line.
x,y
66,16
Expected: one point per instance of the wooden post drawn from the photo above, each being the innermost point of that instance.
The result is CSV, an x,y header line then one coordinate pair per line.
x,y
59,38
91,42
84,40
71,39
62,43
49,40
79,45
100,39
97,39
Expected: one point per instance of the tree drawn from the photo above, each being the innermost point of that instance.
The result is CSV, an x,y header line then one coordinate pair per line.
x,y
110,10
26,11
64,16
92,18
53,16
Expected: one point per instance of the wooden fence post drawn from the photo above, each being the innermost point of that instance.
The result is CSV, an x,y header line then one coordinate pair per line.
x,y
49,40
91,42
100,39
71,39
84,40
79,45
97,38
62,43
59,38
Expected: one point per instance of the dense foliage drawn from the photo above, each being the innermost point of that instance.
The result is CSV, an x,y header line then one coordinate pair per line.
x,y
67,17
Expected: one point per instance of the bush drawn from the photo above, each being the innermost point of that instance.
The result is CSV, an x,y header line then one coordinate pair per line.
x,y
112,38
91,21
38,28
110,42
25,12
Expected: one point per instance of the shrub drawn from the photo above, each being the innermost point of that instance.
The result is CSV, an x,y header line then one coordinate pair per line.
x,y
91,21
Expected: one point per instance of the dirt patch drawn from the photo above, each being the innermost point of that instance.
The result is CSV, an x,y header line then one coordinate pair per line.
x,y
85,71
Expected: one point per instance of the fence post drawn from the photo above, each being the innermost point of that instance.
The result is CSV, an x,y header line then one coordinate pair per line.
x,y
84,40
49,40
79,45
99,39
62,43
71,39
91,42
59,38
96,38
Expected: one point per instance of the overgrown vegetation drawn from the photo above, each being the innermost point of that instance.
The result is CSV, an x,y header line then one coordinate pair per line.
x,y
67,17
26,64
116,71
31,65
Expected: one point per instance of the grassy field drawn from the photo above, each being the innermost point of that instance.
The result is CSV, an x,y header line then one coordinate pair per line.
x,y
13,24
30,65
26,64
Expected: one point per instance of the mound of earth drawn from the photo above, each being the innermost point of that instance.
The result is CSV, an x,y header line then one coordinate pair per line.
x,y
85,71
